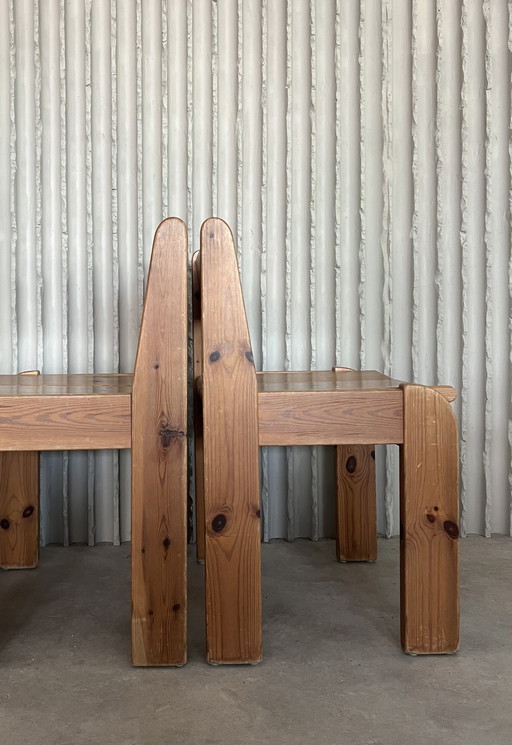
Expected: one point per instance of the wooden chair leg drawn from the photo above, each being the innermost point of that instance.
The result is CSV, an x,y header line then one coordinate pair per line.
x,y
159,459
19,507
356,510
19,510
356,501
429,507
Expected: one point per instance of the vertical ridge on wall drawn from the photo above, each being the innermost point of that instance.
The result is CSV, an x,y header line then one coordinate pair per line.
x,y
510,262
78,279
362,184
389,468
473,266
324,240
104,509
360,153
424,194
24,228
313,265
488,415
250,156
498,228
300,496
152,107
275,253
127,224
6,83
264,452
177,109
448,145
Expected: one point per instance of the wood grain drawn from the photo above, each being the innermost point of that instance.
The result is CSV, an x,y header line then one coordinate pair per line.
x,y
19,505
19,510
65,422
322,417
356,504
429,507
159,458
349,409
356,500
231,468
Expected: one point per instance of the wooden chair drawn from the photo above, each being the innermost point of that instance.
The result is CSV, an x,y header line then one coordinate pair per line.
x,y
242,409
147,412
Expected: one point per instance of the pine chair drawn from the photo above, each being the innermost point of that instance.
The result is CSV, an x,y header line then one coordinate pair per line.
x,y
242,410
147,412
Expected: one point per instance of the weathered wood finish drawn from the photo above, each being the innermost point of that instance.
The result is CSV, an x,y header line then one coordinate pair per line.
x,y
198,407
429,524
356,506
231,468
159,461
19,506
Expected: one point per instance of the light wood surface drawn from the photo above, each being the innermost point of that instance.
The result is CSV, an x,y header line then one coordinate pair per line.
x,y
231,468
356,500
356,504
159,458
146,411
429,520
66,421
19,510
352,410
112,384
320,417
19,505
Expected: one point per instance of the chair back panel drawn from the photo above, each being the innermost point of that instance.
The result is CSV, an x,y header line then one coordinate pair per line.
x,y
231,468
159,442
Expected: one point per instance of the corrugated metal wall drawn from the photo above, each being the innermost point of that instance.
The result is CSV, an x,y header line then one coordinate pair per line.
x,y
361,152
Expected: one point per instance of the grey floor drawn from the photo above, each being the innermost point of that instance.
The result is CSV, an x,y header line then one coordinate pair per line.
x,y
333,671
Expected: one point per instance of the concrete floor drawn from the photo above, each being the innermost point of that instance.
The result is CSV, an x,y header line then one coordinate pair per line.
x,y
333,672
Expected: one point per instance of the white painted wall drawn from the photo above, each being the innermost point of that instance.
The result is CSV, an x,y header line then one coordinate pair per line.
x,y
361,152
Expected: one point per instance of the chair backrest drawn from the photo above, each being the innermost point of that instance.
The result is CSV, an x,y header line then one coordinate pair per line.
x,y
226,344
159,463
230,424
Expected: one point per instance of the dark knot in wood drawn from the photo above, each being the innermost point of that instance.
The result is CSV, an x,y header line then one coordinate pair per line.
x,y
219,522
431,518
5,524
176,607
167,435
351,464
166,543
250,357
373,454
451,528
215,356
28,511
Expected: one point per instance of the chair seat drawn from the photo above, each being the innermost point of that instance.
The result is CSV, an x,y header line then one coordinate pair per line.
x,y
323,380
325,407
65,412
